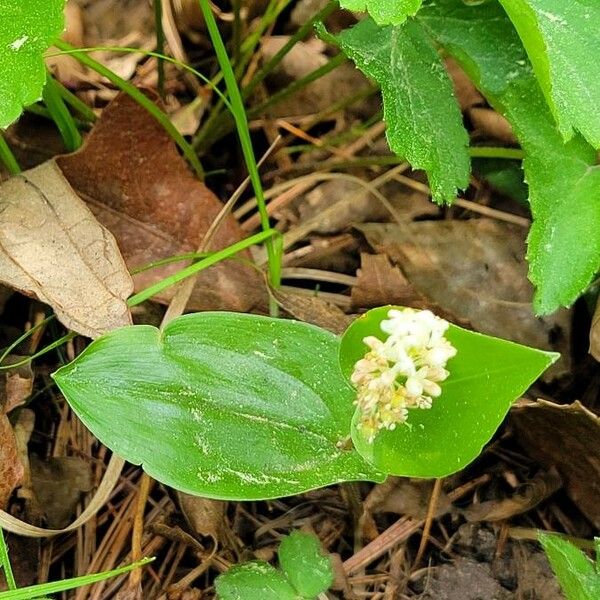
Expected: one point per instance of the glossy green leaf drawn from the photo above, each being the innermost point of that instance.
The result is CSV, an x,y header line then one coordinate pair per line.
x,y
562,38
28,28
222,405
486,376
424,122
255,580
305,566
564,179
385,12
573,569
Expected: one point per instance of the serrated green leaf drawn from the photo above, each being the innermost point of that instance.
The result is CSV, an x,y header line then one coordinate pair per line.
x,y
573,569
486,376
562,38
28,28
564,179
424,122
305,566
385,12
255,580
222,405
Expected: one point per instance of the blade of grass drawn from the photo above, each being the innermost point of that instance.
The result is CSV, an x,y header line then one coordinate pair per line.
x,y
75,103
61,115
160,46
200,265
140,98
8,158
5,563
239,115
42,589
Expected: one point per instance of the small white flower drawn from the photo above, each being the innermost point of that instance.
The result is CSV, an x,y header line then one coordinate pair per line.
x,y
402,372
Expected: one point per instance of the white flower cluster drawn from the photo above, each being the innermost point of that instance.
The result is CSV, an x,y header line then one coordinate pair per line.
x,y
404,371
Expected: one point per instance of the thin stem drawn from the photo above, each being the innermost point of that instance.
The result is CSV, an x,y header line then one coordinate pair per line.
x,y
56,344
496,152
8,158
160,46
140,98
23,337
239,115
199,266
5,563
61,115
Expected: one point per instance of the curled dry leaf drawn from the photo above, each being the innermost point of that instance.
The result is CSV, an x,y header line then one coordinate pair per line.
x,y
530,495
476,271
52,247
134,181
205,516
568,438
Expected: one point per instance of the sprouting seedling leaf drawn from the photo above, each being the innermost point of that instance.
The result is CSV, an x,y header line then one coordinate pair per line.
x,y
575,572
385,12
305,566
485,377
222,405
424,122
305,573
28,28
561,38
254,580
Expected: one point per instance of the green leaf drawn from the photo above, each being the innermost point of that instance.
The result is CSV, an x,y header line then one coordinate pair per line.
x,y
562,38
385,12
28,28
255,580
573,569
302,561
486,376
423,118
564,179
222,405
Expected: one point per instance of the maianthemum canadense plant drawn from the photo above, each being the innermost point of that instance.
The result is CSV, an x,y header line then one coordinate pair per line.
x,y
238,406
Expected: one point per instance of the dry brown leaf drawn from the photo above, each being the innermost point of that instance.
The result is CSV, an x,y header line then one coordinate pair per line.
x,y
476,271
52,247
205,516
492,124
11,469
137,185
568,438
58,484
405,496
312,309
379,283
16,384
530,495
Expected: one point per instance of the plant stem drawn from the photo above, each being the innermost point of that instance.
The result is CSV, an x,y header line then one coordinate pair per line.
x,y
496,152
8,158
140,98
200,266
160,46
239,115
61,115
5,563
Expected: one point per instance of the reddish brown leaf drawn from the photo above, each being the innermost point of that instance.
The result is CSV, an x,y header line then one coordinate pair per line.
x,y
11,469
137,185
